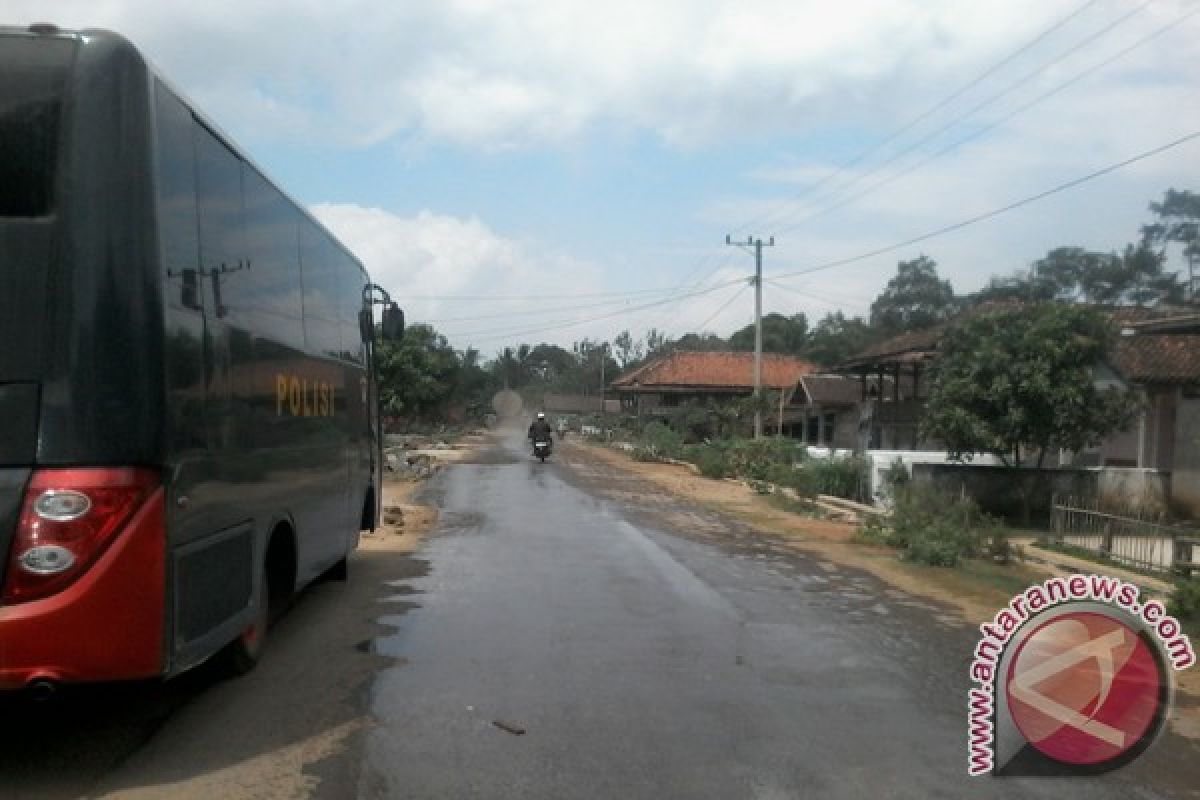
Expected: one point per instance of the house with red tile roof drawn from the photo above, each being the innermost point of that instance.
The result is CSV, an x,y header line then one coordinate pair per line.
x,y
826,411
1157,354
1160,358
698,378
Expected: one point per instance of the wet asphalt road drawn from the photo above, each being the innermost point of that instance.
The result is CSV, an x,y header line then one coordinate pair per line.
x,y
645,662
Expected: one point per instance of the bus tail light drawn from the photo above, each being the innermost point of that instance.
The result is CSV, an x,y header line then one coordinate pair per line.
x,y
68,519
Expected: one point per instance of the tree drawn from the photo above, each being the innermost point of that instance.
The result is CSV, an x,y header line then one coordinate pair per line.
x,y
915,299
837,338
628,351
1135,276
1060,275
1017,382
474,386
596,366
418,374
1178,223
1146,283
780,334
700,342
551,364
657,343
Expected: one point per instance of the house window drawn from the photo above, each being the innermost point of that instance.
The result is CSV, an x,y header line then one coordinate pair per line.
x,y
669,401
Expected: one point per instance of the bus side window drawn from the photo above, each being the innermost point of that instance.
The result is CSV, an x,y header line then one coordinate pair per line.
x,y
319,266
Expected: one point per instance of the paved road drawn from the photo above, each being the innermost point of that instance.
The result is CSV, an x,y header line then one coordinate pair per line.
x,y
649,662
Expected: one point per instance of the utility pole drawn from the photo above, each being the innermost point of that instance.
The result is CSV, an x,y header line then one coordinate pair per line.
x,y
603,358
757,244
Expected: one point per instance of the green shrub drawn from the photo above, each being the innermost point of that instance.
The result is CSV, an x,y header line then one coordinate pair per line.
x,y
712,461
894,478
796,478
695,424
840,477
753,459
940,529
873,530
1185,600
640,453
661,440
761,487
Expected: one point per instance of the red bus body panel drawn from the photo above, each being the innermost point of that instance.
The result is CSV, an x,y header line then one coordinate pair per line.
x,y
106,626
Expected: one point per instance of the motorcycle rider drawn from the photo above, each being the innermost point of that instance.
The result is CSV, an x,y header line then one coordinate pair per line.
x,y
539,429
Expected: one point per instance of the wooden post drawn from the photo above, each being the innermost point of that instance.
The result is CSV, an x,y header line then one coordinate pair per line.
x,y
782,397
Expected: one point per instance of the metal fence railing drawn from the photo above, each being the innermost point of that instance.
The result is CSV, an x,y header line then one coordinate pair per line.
x,y
1137,542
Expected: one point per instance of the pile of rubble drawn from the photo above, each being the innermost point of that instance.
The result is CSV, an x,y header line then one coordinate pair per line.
x,y
407,464
393,516
411,455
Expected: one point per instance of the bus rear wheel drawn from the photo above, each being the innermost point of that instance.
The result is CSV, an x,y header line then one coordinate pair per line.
x,y
242,654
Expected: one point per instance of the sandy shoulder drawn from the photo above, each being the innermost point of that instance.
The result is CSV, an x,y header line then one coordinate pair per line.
x,y
293,727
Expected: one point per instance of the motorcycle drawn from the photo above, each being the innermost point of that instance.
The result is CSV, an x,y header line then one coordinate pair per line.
x,y
541,448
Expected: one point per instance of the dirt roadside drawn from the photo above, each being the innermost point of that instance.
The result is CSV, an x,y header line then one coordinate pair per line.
x,y
289,729
281,731
971,594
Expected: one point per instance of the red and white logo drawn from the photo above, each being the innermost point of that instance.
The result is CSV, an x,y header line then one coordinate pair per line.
x,y
1085,689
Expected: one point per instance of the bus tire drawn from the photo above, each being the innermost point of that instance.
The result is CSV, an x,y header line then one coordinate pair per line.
x,y
243,653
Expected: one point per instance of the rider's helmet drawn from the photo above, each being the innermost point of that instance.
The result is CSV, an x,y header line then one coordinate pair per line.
x,y
541,415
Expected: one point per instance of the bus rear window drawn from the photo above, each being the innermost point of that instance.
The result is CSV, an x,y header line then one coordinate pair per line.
x,y
33,71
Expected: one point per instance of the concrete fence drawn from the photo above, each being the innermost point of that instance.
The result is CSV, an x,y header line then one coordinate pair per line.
x,y
1025,496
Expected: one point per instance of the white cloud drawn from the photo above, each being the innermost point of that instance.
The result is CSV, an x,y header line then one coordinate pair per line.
x,y
708,76
459,275
522,72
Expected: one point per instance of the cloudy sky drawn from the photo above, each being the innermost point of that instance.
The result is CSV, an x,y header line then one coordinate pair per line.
x,y
553,169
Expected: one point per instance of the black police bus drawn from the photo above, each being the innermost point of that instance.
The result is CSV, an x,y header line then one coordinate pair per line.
x,y
188,418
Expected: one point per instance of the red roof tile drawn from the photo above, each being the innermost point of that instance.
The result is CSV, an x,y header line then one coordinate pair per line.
x,y
1158,357
716,370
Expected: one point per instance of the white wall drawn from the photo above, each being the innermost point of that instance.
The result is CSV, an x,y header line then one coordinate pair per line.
x,y
881,460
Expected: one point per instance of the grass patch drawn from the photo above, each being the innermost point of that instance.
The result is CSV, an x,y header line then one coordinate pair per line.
x,y
1184,604
793,506
1099,559
1007,579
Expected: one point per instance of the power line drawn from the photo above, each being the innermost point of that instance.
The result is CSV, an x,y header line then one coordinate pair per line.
x,y
1060,23
532,312
1027,78
1062,187
825,297
561,324
669,316
725,305
686,283
527,297
993,124
763,219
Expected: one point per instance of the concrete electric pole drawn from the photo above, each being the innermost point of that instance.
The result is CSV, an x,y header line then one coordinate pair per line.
x,y
757,244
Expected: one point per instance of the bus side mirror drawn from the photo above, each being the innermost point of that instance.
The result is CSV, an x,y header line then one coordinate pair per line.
x,y
393,323
366,325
